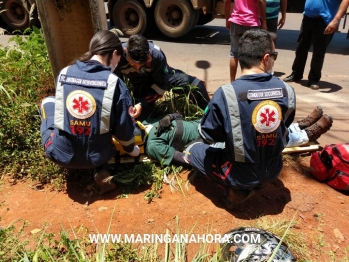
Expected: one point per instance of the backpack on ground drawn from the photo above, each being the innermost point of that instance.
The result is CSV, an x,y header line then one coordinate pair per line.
x,y
331,165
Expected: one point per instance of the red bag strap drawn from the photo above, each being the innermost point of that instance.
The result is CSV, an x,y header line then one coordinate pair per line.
x,y
339,154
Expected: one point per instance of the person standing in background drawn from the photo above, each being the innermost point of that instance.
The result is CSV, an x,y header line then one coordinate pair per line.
x,y
320,22
246,14
274,7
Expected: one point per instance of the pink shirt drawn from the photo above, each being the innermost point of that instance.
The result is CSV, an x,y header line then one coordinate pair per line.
x,y
245,13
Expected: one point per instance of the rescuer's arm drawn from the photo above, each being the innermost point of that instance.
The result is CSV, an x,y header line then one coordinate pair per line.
x,y
211,128
261,8
123,122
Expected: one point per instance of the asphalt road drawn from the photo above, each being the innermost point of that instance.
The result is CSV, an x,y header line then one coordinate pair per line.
x,y
204,52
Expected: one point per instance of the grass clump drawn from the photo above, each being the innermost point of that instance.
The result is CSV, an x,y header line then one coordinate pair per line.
x,y
76,245
25,78
294,239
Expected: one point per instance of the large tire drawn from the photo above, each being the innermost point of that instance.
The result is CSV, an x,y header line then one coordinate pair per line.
x,y
15,14
175,18
131,17
205,18
3,25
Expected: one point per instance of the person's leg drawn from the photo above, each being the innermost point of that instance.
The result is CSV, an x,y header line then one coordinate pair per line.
x,y
303,45
188,83
103,179
199,94
320,127
47,112
211,162
234,48
311,119
233,64
272,24
320,43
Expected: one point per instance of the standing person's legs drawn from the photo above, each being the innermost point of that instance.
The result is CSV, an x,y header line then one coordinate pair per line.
x,y
236,31
320,43
303,45
234,48
272,24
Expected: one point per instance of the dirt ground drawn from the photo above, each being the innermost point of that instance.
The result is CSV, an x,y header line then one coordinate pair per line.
x,y
322,211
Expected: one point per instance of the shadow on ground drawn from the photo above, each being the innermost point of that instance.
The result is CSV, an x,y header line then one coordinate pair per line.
x,y
82,189
324,86
268,200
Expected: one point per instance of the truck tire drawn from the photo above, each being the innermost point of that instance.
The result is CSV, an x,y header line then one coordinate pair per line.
x,y
131,17
3,25
175,18
205,18
15,14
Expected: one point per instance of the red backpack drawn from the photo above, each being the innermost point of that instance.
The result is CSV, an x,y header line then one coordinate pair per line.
x,y
331,165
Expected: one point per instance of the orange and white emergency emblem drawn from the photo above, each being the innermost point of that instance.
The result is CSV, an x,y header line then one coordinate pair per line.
x,y
266,116
81,104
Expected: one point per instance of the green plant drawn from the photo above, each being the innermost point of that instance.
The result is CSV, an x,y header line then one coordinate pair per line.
x,y
287,230
25,78
74,245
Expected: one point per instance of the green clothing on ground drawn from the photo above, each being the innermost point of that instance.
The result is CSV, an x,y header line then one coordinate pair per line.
x,y
160,148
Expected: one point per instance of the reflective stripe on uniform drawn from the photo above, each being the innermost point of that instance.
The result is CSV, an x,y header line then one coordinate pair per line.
x,y
107,103
234,113
195,82
60,105
291,107
50,99
158,89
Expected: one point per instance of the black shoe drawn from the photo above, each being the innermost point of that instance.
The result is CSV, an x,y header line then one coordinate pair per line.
x,y
292,78
313,85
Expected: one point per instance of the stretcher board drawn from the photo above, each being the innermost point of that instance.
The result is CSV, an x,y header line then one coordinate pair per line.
x,y
129,159
311,146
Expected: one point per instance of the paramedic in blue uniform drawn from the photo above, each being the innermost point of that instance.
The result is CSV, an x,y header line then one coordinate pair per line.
x,y
251,115
145,67
90,105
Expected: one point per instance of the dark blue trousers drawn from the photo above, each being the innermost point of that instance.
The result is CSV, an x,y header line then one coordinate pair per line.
x,y
311,34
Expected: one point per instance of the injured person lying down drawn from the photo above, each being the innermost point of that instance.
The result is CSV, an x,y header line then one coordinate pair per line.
x,y
165,140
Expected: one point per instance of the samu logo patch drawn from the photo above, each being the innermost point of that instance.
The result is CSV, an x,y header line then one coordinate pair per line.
x,y
81,104
266,116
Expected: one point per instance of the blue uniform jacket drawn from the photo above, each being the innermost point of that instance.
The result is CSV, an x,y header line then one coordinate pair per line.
x,y
251,117
91,105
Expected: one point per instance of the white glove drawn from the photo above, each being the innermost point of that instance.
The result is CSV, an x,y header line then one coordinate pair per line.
x,y
135,151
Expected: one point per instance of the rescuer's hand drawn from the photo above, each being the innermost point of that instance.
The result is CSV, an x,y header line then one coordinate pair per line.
x,y
137,110
135,151
164,125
